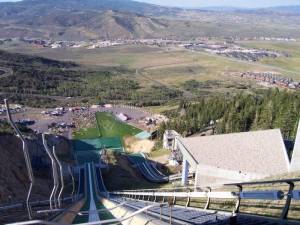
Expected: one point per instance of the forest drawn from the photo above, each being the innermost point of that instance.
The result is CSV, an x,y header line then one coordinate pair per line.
x,y
243,112
39,82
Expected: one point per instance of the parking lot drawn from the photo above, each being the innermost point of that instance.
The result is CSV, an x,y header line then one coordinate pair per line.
x,y
63,120
41,120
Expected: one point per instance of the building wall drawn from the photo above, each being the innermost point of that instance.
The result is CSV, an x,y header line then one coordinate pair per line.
x,y
169,139
211,176
295,163
186,155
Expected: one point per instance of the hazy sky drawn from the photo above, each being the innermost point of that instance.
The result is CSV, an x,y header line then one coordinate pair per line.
x,y
206,3
235,3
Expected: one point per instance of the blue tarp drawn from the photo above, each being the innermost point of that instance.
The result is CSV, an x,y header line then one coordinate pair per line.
x,y
143,135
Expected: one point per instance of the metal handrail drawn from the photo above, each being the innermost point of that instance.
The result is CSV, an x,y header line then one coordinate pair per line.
x,y
237,196
73,180
218,186
220,194
61,176
264,182
33,204
11,206
157,190
81,213
110,221
54,173
26,156
290,182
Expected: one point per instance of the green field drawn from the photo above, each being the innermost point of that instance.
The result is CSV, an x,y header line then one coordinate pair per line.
x,y
109,126
86,133
109,133
289,65
172,67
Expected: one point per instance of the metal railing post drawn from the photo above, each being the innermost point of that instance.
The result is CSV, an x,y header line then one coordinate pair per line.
x,y
61,177
54,172
26,156
286,208
174,198
160,212
73,182
208,200
188,199
171,216
238,202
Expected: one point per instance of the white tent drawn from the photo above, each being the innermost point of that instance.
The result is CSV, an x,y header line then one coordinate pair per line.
x,y
122,117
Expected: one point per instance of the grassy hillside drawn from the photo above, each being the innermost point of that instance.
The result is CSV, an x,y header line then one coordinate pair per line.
x,y
109,126
91,19
38,81
149,75
290,63
145,76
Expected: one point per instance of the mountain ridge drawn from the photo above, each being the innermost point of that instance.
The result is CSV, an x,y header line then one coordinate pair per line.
x,y
114,19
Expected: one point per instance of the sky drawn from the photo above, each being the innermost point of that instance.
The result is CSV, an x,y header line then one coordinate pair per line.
x,y
218,3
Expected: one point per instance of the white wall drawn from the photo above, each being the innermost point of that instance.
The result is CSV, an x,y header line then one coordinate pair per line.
x,y
295,163
208,175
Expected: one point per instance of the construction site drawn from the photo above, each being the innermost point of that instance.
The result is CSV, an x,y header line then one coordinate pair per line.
x,y
98,175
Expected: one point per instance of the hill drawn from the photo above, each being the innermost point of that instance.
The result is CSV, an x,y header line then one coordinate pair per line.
x,y
112,19
90,25
29,7
292,10
289,10
8,59
38,82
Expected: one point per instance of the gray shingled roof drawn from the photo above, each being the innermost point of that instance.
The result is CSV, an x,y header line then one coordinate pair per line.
x,y
256,152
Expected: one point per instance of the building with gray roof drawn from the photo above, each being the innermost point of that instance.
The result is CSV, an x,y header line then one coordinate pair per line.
x,y
236,157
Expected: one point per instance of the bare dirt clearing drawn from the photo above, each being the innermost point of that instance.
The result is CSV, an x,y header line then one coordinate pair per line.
x,y
135,145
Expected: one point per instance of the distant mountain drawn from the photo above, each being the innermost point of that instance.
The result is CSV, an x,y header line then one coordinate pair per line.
x,y
295,9
39,7
112,19
82,19
220,8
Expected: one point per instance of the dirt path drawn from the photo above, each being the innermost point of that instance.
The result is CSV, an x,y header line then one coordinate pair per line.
x,y
187,94
167,65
